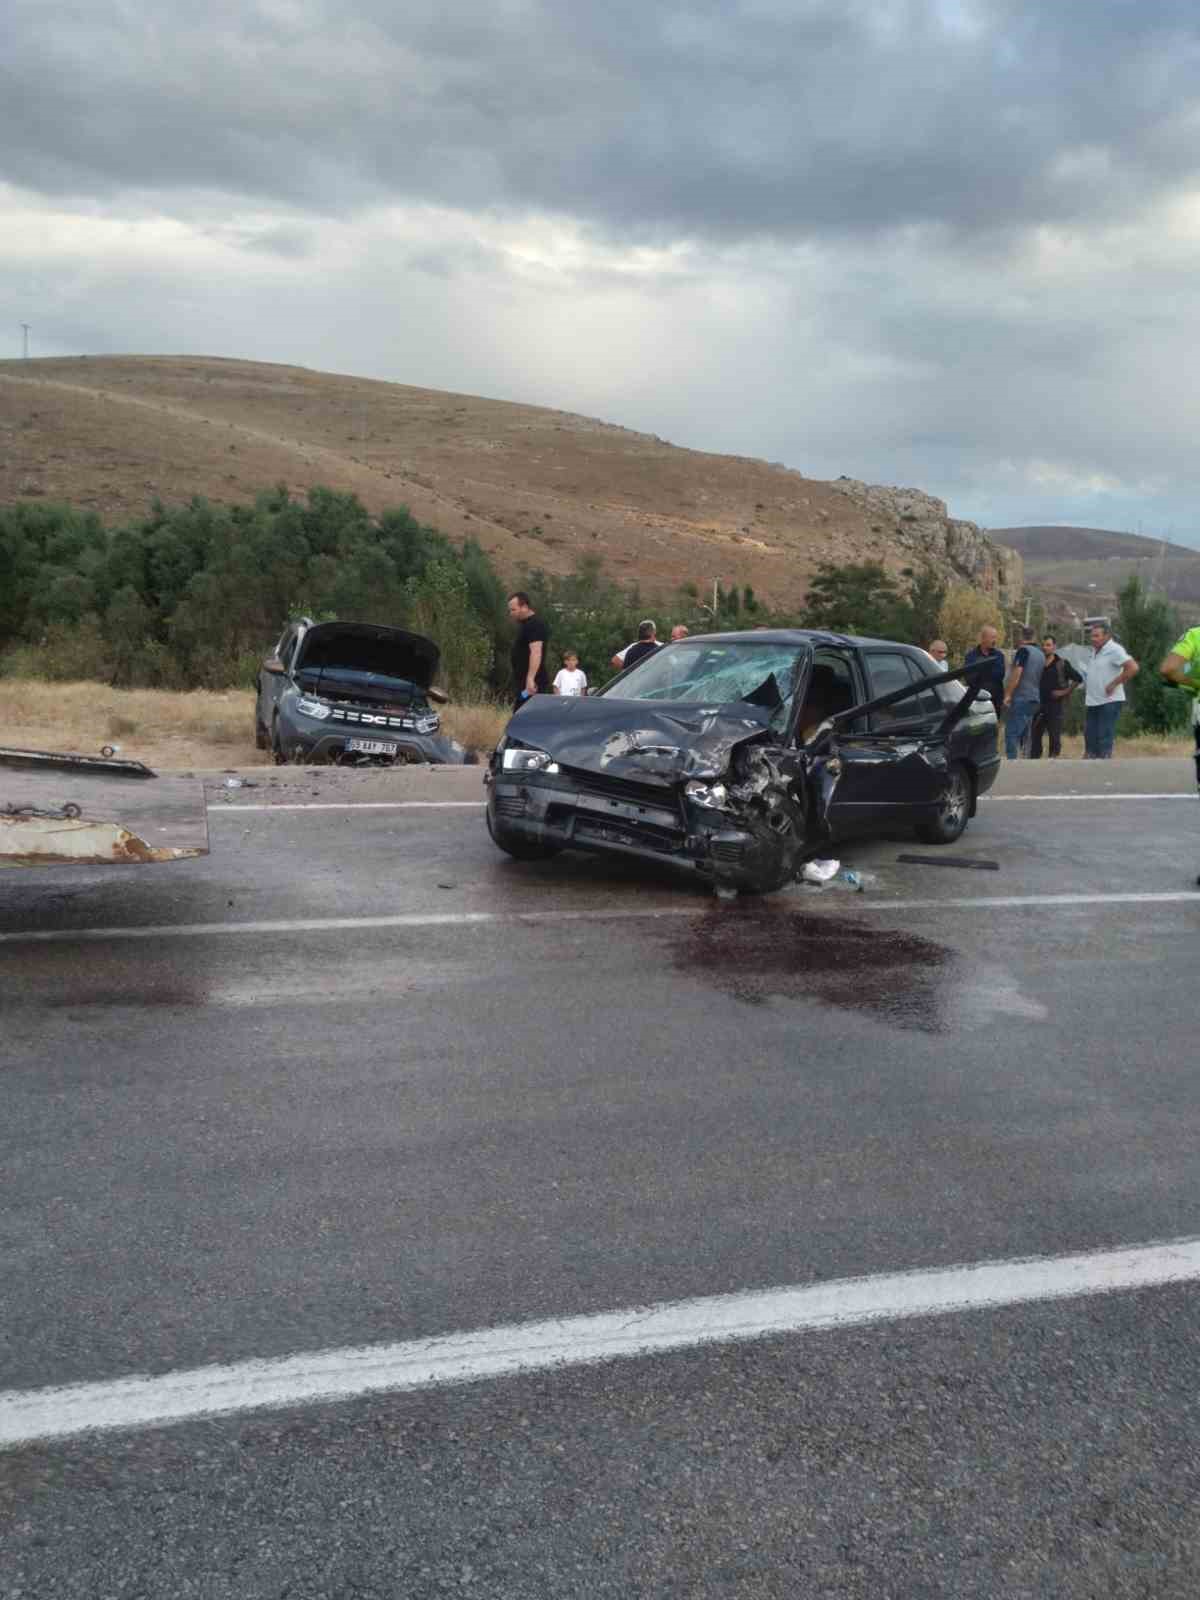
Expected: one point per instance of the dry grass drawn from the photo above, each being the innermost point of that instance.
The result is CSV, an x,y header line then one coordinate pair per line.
x,y
477,726
1143,745
168,730
204,728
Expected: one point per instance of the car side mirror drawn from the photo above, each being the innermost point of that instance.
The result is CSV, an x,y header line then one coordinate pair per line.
x,y
438,696
274,665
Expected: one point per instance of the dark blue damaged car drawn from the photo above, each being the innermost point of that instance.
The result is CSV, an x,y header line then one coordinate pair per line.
x,y
354,694
736,756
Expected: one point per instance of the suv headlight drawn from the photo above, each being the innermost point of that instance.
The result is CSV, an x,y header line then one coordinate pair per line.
x,y
312,708
430,723
518,758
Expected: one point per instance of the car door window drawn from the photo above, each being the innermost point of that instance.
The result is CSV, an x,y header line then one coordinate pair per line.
x,y
889,671
926,704
831,688
287,650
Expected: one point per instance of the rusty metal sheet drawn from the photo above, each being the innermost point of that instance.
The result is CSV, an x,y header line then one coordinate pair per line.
x,y
69,817
31,841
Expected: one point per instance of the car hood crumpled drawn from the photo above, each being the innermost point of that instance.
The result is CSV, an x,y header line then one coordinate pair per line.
x,y
645,741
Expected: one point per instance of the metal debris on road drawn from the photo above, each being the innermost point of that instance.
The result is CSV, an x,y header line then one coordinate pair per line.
x,y
950,861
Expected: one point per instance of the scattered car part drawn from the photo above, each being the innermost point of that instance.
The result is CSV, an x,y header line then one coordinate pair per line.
x,y
59,809
950,861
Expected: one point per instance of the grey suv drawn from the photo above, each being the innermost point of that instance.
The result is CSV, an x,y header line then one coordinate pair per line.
x,y
353,693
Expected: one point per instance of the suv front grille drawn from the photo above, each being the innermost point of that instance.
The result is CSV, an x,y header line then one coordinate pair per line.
x,y
372,719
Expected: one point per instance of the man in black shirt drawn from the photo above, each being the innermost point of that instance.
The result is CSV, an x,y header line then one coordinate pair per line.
x,y
993,658
1058,680
647,644
528,651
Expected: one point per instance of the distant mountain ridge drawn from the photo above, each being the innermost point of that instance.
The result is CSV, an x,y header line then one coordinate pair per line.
x,y
535,487
1076,570
1050,543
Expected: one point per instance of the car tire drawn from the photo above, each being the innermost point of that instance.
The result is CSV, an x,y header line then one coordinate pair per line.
x,y
520,849
954,809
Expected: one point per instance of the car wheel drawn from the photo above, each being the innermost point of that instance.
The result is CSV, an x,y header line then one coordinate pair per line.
x,y
520,849
277,750
954,809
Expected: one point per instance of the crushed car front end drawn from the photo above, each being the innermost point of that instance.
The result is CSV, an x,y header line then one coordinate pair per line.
x,y
701,788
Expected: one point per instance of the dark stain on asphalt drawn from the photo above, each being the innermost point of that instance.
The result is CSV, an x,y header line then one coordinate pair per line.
x,y
756,952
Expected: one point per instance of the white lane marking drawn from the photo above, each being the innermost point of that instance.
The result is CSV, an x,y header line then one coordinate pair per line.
x,y
1175,794
325,1375
221,807
468,919
1001,902
414,919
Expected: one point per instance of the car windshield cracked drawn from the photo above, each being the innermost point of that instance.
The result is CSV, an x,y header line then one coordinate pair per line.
x,y
699,672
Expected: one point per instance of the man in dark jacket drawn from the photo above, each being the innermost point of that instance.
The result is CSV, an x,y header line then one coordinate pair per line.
x,y
987,651
1059,680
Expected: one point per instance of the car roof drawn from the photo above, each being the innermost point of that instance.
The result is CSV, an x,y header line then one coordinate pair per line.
x,y
813,636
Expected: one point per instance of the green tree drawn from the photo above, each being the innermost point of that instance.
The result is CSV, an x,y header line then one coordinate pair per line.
x,y
920,617
1145,625
439,605
861,597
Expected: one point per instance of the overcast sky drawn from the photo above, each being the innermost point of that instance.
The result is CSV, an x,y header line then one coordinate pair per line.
x,y
946,243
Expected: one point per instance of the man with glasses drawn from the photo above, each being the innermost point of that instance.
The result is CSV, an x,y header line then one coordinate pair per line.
x,y
939,650
1059,680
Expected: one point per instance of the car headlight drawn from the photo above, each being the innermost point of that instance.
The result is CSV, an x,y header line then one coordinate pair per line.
x,y
518,758
312,708
428,724
712,795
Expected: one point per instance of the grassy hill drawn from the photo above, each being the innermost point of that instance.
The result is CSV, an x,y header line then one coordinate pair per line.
x,y
1081,569
535,487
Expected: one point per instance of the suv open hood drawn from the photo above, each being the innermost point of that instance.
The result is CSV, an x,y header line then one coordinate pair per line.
x,y
369,647
650,741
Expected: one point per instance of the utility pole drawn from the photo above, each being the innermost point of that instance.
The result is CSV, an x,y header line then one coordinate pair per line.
x,y
24,341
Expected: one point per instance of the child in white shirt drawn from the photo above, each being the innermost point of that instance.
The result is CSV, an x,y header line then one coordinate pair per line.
x,y
570,679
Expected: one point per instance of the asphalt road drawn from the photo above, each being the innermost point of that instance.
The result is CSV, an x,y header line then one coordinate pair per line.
x,y
357,1078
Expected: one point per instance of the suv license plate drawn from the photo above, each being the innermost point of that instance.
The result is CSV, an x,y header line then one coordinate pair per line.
x,y
371,747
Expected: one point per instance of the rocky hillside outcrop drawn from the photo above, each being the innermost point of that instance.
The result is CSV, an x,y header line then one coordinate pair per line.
x,y
920,524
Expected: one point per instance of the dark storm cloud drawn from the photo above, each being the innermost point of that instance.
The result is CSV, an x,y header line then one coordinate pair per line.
x,y
741,118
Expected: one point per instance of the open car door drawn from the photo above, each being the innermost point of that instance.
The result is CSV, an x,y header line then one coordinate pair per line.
x,y
860,780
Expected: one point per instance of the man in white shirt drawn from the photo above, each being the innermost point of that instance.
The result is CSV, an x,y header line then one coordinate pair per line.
x,y
1109,670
